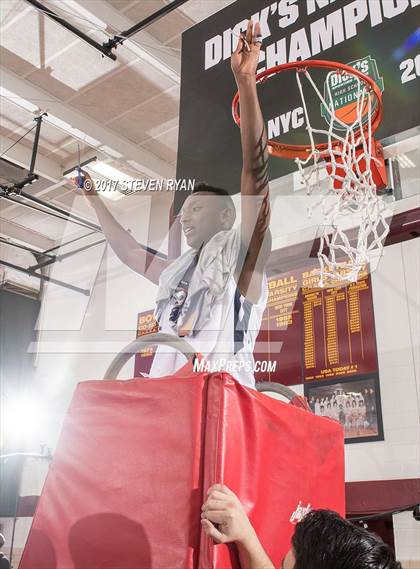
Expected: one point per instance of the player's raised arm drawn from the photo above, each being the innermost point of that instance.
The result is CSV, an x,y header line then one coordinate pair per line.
x,y
255,203
127,249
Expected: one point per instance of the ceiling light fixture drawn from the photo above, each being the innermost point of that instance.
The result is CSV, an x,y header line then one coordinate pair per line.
x,y
108,172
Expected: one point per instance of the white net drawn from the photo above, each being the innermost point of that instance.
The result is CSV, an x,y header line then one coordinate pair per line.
x,y
349,153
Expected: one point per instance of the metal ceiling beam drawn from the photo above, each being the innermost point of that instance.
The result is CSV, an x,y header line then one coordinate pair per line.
x,y
51,209
30,176
116,40
11,207
38,121
25,235
84,291
69,242
67,216
22,155
45,211
53,260
129,28
148,43
153,166
25,248
60,20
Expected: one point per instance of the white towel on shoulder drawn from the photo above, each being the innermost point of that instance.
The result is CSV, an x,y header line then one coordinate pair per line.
x,y
216,263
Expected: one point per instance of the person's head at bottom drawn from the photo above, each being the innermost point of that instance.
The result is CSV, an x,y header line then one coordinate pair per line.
x,y
324,539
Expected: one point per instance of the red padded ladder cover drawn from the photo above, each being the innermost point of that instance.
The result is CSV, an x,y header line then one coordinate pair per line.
x,y
273,456
135,458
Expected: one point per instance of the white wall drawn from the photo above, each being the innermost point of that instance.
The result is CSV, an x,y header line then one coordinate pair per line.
x,y
407,540
396,305
396,300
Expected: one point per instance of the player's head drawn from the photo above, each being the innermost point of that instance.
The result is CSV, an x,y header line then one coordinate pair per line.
x,y
324,539
205,212
2,540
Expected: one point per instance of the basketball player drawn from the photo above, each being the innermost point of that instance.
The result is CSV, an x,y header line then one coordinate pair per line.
x,y
342,416
335,411
216,292
322,540
328,412
348,412
362,423
354,414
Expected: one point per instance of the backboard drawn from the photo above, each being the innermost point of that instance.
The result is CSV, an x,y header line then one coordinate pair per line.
x,y
379,35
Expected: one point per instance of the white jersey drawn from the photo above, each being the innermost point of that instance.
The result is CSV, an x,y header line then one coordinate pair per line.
x,y
226,341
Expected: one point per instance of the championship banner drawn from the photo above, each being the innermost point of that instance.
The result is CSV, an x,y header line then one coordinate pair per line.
x,y
378,37
146,324
312,334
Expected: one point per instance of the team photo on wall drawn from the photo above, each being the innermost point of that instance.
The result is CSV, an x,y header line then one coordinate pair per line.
x,y
355,404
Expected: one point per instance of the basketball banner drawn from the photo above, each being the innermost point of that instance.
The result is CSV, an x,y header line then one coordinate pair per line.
x,y
378,37
315,334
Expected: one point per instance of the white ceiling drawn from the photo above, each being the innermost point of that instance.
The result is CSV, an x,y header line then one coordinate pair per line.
x,y
126,109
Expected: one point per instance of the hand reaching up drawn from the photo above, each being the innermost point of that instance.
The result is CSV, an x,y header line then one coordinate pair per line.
x,y
244,60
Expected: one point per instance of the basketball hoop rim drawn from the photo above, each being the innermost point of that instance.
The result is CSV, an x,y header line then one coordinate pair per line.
x,y
301,151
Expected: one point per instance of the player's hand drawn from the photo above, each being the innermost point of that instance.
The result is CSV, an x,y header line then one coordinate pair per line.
x,y
223,508
244,60
89,188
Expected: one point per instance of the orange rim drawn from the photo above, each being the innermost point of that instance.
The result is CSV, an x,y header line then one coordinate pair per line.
x,y
302,151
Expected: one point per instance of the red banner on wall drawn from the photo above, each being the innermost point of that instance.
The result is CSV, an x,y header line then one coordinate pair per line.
x,y
146,324
279,340
315,334
339,330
